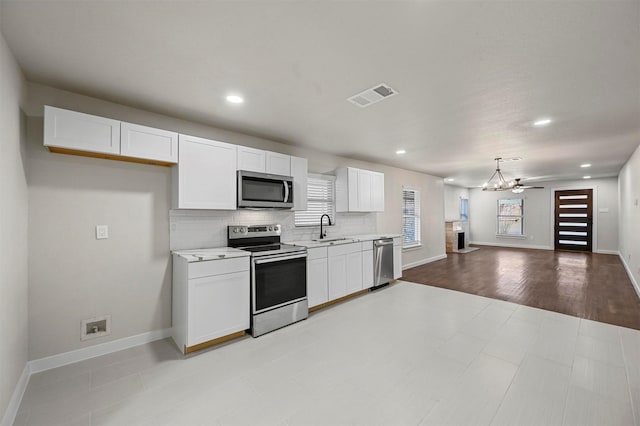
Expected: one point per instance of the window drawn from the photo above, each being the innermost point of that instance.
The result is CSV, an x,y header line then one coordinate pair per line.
x,y
510,217
320,200
464,209
410,217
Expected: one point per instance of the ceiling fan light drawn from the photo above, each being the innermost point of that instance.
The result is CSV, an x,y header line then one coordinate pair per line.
x,y
517,190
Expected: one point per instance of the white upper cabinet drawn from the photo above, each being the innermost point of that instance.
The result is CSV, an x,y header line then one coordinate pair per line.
x,y
80,132
257,160
299,173
251,159
206,174
359,190
278,164
148,143
377,191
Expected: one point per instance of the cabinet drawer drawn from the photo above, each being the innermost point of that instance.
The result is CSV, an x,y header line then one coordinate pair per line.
x,y
344,249
218,267
316,253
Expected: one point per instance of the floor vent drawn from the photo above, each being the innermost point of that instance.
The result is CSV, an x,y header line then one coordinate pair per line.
x,y
373,95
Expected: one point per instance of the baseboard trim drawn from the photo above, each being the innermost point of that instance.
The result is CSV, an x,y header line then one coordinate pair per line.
x,y
54,361
616,252
525,246
636,287
16,398
424,261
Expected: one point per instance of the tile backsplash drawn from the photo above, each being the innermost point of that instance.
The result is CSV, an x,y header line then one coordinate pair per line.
x,y
193,229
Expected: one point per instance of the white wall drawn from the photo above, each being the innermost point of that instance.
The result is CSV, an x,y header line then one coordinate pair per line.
x,y
13,228
452,196
539,214
74,276
629,230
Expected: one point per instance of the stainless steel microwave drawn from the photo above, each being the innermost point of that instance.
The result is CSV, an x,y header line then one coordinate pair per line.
x,y
262,190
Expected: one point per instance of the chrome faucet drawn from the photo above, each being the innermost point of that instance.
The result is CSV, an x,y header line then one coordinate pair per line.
x,y
324,234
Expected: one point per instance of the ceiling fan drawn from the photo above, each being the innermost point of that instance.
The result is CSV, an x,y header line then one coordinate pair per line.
x,y
517,187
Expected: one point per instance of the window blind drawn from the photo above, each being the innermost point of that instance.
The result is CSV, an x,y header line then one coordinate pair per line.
x,y
320,200
410,217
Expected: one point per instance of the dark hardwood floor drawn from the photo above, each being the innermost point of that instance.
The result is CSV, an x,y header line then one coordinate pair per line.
x,y
585,285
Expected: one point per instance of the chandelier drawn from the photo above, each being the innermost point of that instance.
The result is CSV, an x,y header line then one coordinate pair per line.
x,y
500,184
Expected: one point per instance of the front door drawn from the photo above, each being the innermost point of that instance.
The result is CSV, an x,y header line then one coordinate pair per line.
x,y
574,220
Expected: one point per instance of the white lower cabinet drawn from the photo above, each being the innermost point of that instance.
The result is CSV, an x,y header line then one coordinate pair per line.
x,y
210,299
397,257
337,273
367,268
345,269
317,276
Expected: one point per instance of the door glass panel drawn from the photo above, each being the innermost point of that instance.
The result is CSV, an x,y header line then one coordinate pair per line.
x,y
573,197
575,243
573,206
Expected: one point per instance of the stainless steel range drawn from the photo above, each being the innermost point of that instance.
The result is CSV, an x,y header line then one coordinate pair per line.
x,y
278,277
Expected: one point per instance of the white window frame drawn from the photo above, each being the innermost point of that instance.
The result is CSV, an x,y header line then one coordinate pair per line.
x,y
301,217
417,231
521,217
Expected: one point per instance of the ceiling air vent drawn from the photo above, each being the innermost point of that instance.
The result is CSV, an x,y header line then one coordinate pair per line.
x,y
373,95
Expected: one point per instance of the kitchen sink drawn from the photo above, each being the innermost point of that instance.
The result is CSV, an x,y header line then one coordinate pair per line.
x,y
328,240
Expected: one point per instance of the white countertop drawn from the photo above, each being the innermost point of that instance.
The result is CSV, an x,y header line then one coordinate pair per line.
x,y
371,237
346,240
197,255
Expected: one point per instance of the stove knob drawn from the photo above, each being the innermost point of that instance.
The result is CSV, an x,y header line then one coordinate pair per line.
x,y
270,228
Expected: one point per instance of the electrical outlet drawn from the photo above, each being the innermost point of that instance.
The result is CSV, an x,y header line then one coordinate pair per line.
x,y
102,232
95,327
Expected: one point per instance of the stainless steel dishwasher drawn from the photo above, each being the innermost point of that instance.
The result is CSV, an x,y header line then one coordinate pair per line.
x,y
382,262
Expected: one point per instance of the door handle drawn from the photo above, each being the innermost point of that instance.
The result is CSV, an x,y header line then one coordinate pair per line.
x,y
286,191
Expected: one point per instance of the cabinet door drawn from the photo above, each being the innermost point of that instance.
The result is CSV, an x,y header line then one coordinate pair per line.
x,y
367,269
377,192
397,261
278,164
354,272
337,275
299,173
352,188
251,159
148,143
206,174
317,282
365,203
218,305
81,132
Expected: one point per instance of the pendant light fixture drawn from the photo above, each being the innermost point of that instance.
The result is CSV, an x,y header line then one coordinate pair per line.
x,y
499,184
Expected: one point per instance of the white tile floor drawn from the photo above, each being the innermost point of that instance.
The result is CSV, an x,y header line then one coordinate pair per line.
x,y
405,355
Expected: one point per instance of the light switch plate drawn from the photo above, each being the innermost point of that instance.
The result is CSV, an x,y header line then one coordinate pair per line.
x,y
102,232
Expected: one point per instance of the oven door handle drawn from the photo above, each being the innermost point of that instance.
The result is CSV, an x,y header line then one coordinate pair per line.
x,y
279,258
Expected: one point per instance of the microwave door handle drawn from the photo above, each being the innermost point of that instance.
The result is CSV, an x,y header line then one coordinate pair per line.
x,y
286,191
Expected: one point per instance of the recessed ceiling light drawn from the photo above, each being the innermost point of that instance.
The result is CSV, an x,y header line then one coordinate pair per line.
x,y
449,179
235,99
542,122
401,151
586,177
585,165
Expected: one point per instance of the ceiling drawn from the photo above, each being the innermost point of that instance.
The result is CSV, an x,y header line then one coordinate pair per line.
x,y
471,76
